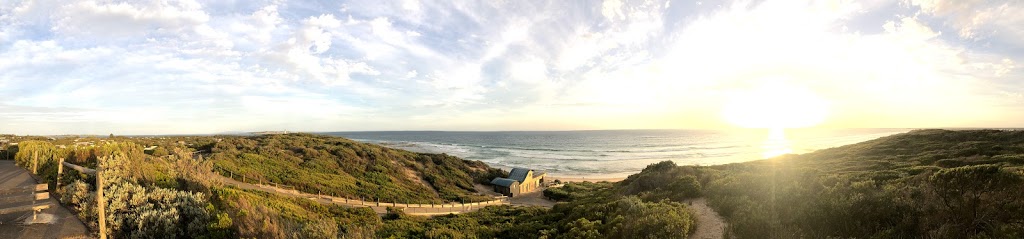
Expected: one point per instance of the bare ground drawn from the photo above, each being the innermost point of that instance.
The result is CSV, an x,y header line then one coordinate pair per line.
x,y
535,198
709,223
415,177
486,190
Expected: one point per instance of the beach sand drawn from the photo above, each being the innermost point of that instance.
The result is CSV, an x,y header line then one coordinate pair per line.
x,y
584,179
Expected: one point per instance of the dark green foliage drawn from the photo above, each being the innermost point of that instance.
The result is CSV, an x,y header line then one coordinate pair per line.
x,y
264,215
338,166
892,187
574,191
663,180
977,200
923,184
597,213
133,211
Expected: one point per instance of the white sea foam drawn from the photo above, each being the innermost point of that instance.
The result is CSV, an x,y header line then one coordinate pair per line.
x,y
612,153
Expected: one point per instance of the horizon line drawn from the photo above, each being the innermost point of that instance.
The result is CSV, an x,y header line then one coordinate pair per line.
x,y
236,133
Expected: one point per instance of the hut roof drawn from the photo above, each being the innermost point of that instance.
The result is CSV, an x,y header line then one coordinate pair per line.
x,y
504,182
519,174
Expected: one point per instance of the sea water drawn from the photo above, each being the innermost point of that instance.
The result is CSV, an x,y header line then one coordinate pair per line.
x,y
615,153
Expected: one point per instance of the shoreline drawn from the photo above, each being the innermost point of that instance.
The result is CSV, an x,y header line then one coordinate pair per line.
x,y
584,179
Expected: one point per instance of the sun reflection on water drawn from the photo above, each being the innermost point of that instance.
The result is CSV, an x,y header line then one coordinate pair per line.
x,y
776,144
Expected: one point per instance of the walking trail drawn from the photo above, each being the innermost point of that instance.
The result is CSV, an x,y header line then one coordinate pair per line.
x,y
709,223
53,222
379,207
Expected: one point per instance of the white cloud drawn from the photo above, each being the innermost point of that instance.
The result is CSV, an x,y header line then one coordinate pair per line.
x,y
460,65
612,9
978,19
122,19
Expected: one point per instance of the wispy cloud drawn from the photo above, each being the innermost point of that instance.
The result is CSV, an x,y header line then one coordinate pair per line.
x,y
211,66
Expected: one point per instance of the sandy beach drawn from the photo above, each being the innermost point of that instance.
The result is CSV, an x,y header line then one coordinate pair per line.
x,y
585,179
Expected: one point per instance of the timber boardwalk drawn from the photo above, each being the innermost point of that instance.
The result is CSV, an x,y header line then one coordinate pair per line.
x,y
53,222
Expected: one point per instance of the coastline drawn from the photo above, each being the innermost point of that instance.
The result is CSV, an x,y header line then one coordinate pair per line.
x,y
586,179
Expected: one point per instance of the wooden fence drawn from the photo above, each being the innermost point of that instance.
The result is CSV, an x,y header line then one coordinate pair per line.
x,y
453,207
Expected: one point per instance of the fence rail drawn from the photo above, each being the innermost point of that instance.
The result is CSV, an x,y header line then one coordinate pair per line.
x,y
423,208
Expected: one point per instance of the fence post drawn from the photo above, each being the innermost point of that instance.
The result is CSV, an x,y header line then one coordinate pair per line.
x,y
60,171
100,204
35,161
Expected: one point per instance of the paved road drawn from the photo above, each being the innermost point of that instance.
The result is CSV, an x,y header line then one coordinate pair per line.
x,y
62,223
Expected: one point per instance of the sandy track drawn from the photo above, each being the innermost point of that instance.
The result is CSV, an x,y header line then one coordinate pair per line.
x,y
709,223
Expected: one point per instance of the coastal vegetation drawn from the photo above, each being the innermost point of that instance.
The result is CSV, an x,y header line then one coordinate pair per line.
x,y
175,193
925,183
345,168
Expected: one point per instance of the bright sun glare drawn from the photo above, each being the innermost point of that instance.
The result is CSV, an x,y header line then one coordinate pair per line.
x,y
775,105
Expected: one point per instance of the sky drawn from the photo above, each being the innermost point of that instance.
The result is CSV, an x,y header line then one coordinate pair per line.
x,y
188,66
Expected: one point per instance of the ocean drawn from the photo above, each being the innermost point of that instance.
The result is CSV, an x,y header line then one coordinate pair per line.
x,y
615,153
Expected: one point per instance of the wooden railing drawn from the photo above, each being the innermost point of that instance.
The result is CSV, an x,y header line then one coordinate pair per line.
x,y
412,207
98,172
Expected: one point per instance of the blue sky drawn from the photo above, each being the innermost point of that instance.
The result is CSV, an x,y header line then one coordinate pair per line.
x,y
151,67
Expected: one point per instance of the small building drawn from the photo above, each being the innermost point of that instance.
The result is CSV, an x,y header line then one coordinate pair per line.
x,y
507,187
519,181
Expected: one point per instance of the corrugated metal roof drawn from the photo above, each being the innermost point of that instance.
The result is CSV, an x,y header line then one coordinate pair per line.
x,y
504,182
519,174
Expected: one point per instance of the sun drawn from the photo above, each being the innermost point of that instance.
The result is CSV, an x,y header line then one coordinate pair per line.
x,y
775,105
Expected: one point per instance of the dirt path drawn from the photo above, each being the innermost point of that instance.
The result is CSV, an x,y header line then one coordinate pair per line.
x,y
379,207
535,198
709,223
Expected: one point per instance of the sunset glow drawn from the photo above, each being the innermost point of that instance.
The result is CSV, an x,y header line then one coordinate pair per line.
x,y
141,67
775,106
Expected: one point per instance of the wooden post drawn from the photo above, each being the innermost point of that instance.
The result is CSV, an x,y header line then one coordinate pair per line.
x,y
60,171
35,161
100,204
